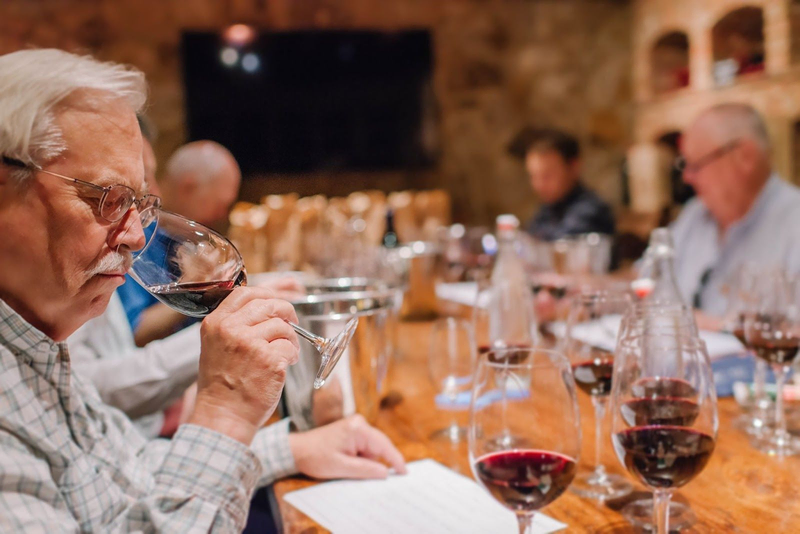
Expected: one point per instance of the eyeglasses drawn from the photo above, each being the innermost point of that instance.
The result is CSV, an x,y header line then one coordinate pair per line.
x,y
682,165
115,200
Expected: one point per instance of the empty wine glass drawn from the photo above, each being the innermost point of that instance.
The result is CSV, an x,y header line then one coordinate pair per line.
x,y
451,363
592,326
772,331
538,394
191,268
664,413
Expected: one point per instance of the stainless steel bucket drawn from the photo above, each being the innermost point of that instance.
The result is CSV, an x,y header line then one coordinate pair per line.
x,y
357,381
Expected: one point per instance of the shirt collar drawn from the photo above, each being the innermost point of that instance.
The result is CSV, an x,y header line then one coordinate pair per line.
x,y
28,344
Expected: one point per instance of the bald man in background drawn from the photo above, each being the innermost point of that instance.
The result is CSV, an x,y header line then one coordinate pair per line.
x,y
744,212
201,182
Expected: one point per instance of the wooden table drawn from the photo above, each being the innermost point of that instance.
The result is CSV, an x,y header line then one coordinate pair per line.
x,y
741,489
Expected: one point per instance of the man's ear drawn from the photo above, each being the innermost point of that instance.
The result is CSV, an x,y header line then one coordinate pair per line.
x,y
748,155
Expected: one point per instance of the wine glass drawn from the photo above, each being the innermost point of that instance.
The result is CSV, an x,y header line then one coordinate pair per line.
x,y
740,298
592,326
666,319
664,413
772,331
538,394
451,363
191,268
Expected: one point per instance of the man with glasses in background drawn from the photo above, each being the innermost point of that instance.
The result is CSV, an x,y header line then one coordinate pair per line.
x,y
744,212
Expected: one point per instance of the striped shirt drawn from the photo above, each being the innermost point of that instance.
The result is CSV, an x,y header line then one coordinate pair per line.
x,y
70,463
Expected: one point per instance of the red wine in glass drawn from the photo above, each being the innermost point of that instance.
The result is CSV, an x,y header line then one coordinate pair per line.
x,y
663,456
525,480
660,411
594,376
776,351
653,387
197,299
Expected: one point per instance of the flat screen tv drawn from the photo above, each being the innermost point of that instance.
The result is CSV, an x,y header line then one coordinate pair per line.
x,y
308,101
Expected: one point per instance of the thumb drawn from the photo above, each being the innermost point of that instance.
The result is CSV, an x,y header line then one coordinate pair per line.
x,y
357,467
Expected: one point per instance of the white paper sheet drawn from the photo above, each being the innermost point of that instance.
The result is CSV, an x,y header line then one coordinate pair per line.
x,y
603,333
458,292
430,499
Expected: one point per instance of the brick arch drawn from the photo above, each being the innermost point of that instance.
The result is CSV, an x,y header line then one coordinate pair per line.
x,y
718,11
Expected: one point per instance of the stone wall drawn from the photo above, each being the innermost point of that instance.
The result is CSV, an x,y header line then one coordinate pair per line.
x,y
498,65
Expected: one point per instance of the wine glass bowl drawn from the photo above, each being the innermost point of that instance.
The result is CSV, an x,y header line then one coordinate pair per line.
x,y
192,269
540,461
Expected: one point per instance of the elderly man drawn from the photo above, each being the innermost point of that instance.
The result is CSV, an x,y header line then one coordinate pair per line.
x,y
552,160
71,195
743,212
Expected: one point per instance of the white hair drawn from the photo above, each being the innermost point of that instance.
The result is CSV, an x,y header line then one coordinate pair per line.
x,y
34,82
732,120
202,160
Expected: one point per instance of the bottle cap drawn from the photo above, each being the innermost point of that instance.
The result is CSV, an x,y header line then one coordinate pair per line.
x,y
507,222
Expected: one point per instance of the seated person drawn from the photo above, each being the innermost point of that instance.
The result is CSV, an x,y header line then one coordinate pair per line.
x,y
552,160
743,210
72,183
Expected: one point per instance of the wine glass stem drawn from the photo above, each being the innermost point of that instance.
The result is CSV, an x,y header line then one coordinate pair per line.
x,y
661,511
780,419
525,522
599,402
308,336
760,379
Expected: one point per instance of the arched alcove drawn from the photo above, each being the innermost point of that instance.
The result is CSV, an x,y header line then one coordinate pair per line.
x,y
738,40
669,60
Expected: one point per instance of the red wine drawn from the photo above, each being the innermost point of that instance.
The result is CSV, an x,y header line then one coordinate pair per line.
x,y
511,353
525,480
660,411
739,333
776,351
663,456
197,299
653,387
594,376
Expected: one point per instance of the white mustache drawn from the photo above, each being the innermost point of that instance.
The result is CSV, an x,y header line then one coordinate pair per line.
x,y
113,262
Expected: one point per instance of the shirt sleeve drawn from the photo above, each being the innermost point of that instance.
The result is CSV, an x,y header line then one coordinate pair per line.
x,y
271,447
203,484
143,380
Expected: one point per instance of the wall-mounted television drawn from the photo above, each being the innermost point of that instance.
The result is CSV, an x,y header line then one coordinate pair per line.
x,y
307,101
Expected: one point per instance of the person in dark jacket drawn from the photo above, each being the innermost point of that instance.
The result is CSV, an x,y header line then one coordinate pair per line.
x,y
552,160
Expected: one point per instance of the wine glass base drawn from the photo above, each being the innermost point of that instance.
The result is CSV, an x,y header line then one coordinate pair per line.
x,y
776,445
452,434
640,515
607,487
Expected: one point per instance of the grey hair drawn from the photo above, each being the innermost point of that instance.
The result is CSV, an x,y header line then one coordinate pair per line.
x,y
34,82
202,160
732,121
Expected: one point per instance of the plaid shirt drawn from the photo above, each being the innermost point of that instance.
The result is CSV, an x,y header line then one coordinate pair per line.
x,y
70,463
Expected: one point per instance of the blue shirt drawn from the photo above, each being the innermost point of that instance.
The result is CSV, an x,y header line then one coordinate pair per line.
x,y
135,299
768,235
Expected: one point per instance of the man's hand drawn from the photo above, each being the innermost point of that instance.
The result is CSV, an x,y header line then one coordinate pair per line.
x,y
246,347
348,448
707,322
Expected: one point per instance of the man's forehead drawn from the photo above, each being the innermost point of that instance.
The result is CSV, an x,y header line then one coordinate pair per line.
x,y
103,139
